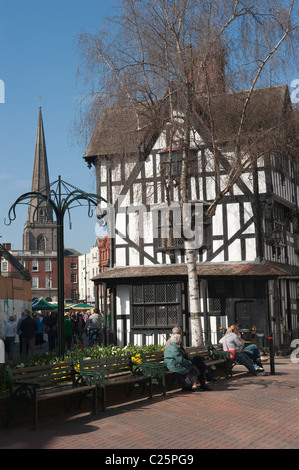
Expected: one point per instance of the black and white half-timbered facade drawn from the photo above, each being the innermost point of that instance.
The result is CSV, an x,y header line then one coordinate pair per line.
x,y
248,263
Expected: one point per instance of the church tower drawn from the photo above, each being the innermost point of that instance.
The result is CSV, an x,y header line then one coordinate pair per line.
x,y
40,229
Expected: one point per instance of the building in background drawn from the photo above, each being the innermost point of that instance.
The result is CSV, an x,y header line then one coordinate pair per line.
x,y
90,265
15,287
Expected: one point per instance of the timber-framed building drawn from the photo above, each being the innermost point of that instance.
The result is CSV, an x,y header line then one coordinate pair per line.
x,y
248,264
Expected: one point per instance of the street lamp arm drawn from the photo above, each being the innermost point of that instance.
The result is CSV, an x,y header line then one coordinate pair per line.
x,y
58,206
25,197
91,199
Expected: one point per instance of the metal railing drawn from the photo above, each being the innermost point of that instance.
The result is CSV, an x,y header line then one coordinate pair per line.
x,y
15,263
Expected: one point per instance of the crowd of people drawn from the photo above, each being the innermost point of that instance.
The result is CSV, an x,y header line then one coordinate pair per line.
x,y
35,329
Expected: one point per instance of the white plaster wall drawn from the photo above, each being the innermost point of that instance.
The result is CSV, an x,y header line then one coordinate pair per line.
x,y
234,251
217,221
220,256
250,244
233,219
122,301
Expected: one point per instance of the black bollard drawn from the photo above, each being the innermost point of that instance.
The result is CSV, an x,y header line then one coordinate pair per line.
x,y
271,350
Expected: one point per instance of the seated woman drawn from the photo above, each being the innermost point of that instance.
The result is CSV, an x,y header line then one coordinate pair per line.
x,y
187,373
248,357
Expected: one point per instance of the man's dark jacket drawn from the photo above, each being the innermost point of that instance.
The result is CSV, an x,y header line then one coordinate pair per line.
x,y
28,327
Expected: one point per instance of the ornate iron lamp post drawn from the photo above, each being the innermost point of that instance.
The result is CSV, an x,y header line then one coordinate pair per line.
x,y
61,197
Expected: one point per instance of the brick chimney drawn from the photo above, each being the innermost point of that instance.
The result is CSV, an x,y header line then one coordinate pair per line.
x,y
208,71
7,246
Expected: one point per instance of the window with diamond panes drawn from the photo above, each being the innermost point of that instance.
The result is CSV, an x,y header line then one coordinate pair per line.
x,y
155,304
169,226
149,294
138,315
161,292
221,290
149,315
217,306
172,294
171,164
137,294
161,315
173,314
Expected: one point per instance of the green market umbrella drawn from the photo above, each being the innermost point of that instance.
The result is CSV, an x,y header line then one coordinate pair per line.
x,y
80,306
42,304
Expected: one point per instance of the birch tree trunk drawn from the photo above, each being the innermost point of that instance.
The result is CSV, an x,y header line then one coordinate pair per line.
x,y
194,298
190,251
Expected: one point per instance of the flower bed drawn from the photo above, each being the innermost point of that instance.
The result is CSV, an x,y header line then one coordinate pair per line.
x,y
92,352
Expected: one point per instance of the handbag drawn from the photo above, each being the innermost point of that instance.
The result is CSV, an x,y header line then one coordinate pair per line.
x,y
232,354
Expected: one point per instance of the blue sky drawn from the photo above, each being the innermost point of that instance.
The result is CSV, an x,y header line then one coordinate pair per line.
x,y
39,58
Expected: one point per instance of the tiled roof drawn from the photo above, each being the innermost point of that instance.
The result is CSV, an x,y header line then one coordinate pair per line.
x,y
265,269
267,108
120,130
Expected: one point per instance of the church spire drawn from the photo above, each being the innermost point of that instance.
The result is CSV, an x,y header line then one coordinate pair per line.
x,y
40,177
39,228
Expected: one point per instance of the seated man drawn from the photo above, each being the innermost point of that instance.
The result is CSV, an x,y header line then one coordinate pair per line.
x,y
176,361
198,361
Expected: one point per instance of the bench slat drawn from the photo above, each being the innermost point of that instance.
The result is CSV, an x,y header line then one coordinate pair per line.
x,y
64,392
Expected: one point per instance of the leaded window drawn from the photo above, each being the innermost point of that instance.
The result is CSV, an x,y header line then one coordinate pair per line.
x,y
221,290
171,164
155,305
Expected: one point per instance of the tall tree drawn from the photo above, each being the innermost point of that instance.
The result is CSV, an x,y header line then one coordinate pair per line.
x,y
172,60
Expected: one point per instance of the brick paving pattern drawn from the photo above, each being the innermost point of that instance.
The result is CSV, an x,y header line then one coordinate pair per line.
x,y
241,412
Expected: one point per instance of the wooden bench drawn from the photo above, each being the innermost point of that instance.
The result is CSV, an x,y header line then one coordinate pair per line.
x,y
111,371
31,385
153,363
213,357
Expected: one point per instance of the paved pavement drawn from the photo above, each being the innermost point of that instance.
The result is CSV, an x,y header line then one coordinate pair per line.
x,y
241,412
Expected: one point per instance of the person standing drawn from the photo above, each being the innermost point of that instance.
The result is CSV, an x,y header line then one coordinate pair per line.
x,y
19,332
28,328
51,330
93,328
39,334
79,328
85,317
68,332
9,333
